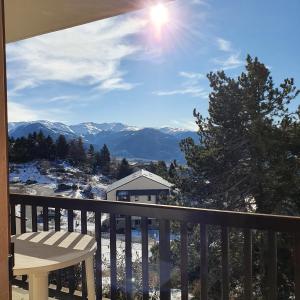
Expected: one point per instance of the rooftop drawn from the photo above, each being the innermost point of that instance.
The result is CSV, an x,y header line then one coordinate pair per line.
x,y
140,173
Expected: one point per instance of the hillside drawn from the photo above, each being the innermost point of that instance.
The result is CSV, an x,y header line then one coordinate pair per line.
x,y
123,140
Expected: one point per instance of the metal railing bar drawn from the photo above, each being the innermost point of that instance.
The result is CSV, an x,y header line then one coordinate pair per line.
x,y
225,262
272,265
184,261
98,258
247,264
23,218
113,258
204,261
128,257
184,214
83,216
164,259
297,265
34,218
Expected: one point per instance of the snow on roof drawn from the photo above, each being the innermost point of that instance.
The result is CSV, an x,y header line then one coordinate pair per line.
x,y
140,173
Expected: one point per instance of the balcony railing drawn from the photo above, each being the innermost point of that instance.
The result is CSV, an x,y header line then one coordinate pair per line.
x,y
224,221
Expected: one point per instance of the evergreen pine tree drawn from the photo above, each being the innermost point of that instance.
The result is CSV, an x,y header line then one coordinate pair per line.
x,y
97,160
104,160
76,151
41,146
124,169
172,170
91,152
81,151
91,159
50,148
161,169
20,150
247,158
151,167
31,146
244,153
62,147
11,143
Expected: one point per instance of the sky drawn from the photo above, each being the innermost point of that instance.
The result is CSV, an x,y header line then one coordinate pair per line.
x,y
126,69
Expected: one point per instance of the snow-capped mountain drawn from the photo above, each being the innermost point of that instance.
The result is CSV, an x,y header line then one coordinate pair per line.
x,y
14,125
171,130
94,128
122,140
54,129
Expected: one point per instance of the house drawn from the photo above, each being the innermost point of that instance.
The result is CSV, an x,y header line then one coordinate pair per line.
x,y
141,186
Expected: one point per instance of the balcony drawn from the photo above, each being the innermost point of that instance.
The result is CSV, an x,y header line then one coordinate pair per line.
x,y
216,228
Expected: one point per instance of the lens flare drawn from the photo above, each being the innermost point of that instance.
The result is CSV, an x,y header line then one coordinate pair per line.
x,y
159,15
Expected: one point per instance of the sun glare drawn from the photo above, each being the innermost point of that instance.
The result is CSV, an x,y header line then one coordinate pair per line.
x,y
159,15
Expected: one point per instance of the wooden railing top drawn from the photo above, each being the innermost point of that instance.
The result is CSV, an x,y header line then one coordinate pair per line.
x,y
278,223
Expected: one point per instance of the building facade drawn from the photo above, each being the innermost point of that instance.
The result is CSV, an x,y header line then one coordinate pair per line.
x,y
141,186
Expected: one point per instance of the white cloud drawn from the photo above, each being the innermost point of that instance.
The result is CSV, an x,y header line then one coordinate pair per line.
x,y
191,75
91,54
18,112
21,112
116,84
66,98
192,91
231,62
224,45
190,86
200,2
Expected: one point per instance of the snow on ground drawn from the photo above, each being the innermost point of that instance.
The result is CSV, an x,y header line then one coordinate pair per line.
x,y
71,194
175,293
47,179
99,191
26,172
69,168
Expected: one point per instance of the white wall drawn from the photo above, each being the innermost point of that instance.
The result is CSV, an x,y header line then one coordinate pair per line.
x,y
143,199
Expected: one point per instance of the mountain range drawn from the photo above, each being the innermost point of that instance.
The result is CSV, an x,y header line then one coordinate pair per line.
x,y
122,140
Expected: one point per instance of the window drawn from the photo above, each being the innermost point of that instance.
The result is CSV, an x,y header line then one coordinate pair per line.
x,y
123,196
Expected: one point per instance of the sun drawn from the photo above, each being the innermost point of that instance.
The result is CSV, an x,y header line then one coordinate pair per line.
x,y
159,15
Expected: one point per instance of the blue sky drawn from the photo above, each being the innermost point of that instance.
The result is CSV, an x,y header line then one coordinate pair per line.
x,y
120,70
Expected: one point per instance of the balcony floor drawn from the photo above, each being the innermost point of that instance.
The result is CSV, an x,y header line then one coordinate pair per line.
x,y
21,294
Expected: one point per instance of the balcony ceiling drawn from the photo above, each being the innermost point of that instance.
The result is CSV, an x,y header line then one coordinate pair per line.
x,y
29,18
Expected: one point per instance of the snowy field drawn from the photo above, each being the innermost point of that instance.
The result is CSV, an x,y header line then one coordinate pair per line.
x,y
25,172
45,178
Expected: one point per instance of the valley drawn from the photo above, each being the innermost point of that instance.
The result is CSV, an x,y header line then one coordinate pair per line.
x,y
131,142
